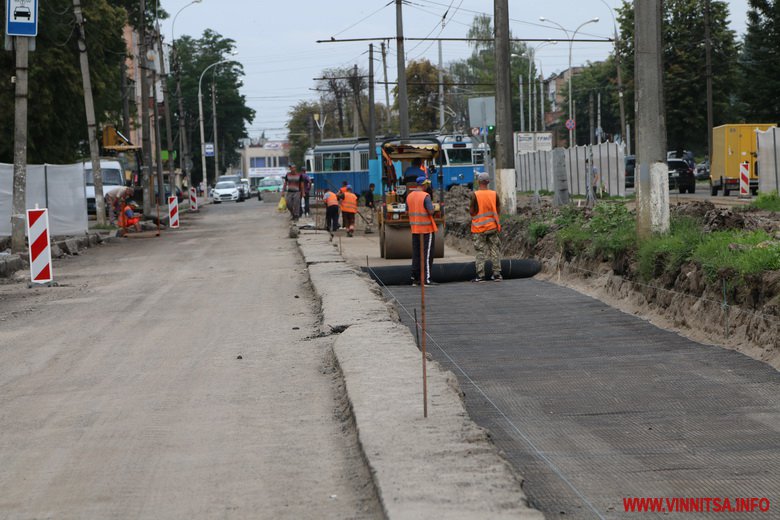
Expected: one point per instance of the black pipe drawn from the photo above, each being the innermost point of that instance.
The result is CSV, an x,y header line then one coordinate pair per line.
x,y
454,272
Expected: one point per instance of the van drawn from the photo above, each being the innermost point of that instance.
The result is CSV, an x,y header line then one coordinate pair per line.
x,y
113,177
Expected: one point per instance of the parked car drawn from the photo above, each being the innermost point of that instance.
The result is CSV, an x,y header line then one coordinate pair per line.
x,y
272,184
681,176
630,170
226,191
703,171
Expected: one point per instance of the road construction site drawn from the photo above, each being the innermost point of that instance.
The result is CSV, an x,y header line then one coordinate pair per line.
x,y
227,370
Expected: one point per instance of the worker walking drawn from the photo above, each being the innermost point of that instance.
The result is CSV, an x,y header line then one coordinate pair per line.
x,y
485,208
349,206
293,187
420,207
331,210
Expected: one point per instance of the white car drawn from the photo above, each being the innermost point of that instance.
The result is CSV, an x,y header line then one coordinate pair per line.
x,y
225,191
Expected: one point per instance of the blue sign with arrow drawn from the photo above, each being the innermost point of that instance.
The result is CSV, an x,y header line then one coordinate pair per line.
x,y
21,17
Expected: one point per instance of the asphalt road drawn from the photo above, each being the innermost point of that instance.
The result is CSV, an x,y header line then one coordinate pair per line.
x,y
592,405
176,377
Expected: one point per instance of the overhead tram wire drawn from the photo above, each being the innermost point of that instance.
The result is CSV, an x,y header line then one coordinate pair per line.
x,y
438,23
391,2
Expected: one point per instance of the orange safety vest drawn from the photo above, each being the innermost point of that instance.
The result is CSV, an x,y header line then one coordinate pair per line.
x,y
350,203
486,218
419,218
123,216
330,198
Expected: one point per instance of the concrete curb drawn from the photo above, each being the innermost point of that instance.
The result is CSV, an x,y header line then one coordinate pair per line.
x,y
441,467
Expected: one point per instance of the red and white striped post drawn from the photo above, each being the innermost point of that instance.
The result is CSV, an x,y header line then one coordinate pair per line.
x,y
40,245
173,212
193,199
744,180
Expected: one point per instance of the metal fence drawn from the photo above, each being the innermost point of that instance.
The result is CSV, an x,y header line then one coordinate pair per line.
x,y
535,170
57,187
768,160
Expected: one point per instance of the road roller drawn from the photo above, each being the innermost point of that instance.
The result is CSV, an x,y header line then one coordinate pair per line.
x,y
395,235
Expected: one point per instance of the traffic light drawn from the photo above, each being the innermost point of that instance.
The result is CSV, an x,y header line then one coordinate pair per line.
x,y
491,128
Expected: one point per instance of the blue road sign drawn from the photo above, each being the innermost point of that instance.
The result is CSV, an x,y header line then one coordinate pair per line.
x,y
209,149
21,17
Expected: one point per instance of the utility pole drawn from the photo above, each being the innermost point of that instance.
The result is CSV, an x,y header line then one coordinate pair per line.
x,y
505,173
599,129
403,100
125,98
621,98
652,185
216,139
371,112
591,116
522,112
89,106
184,143
355,113
708,60
387,88
158,143
22,47
146,141
441,82
541,100
167,113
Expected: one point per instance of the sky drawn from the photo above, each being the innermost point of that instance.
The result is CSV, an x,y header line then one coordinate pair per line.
x,y
276,39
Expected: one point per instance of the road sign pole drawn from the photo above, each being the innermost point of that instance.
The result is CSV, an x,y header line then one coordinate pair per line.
x,y
21,44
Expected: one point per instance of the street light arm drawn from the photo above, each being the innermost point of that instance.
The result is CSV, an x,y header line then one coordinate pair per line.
x,y
173,23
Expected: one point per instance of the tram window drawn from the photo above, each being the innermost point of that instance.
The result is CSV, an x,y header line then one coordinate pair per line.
x,y
459,156
364,160
334,162
479,157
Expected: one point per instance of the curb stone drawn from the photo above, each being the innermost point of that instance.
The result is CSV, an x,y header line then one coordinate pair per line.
x,y
444,466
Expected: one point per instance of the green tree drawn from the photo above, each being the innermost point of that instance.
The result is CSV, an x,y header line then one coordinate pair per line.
x,y
423,93
594,79
233,113
759,64
684,68
57,126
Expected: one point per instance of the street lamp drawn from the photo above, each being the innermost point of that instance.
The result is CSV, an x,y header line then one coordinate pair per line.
x,y
185,156
200,119
571,42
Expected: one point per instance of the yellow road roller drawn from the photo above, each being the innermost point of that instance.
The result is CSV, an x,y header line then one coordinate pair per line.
x,y
395,236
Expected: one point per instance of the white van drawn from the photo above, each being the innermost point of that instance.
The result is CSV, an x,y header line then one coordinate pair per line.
x,y
113,177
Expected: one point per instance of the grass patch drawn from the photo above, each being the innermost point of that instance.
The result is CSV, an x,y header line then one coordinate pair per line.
x,y
737,251
667,253
537,230
767,202
610,232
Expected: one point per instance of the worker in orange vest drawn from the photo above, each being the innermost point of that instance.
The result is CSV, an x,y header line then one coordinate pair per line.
x,y
420,207
485,208
127,217
331,210
349,206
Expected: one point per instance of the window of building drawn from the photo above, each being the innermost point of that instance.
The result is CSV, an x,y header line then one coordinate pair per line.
x,y
257,162
283,161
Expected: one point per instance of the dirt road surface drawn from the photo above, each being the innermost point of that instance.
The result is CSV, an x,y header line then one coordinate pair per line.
x,y
173,377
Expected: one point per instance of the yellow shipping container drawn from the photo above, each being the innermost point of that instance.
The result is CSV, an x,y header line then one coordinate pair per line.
x,y
731,146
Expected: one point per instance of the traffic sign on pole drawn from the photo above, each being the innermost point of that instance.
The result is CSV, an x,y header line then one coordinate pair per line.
x,y
21,17
208,149
570,124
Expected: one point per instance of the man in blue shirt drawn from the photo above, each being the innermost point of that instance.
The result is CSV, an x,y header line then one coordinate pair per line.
x,y
414,171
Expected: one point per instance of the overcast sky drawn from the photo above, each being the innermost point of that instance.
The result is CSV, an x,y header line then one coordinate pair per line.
x,y
276,39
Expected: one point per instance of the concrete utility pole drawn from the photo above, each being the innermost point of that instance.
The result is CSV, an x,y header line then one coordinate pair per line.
x,y
167,114
505,172
371,112
89,106
708,60
592,118
216,139
522,113
387,88
652,185
403,100
22,46
146,141
441,82
125,98
158,143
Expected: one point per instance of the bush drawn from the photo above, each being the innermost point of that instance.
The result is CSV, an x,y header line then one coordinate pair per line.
x,y
537,230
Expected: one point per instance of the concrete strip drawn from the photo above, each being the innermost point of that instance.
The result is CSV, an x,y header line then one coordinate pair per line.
x,y
440,467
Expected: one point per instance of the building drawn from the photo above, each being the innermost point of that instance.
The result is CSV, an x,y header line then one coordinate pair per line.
x,y
262,158
557,87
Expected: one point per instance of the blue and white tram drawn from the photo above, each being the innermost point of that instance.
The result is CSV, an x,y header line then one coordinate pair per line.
x,y
337,160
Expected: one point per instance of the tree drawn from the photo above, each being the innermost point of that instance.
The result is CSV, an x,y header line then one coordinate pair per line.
x,y
57,128
759,64
423,93
233,113
594,79
684,68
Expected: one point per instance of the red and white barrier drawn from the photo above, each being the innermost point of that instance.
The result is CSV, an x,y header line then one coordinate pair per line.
x,y
173,212
193,199
744,180
40,245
